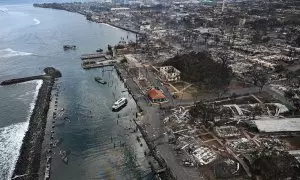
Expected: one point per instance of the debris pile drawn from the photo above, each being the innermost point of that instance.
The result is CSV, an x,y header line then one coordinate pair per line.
x,y
273,143
242,145
227,131
204,155
180,114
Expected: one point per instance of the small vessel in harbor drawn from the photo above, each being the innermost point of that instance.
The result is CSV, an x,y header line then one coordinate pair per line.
x,y
67,47
100,80
99,50
119,104
64,156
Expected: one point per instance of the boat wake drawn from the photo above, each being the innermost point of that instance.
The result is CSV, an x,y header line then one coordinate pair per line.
x,y
11,138
8,53
36,21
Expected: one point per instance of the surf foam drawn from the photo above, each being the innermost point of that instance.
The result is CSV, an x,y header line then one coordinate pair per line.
x,y
36,21
8,53
11,138
3,10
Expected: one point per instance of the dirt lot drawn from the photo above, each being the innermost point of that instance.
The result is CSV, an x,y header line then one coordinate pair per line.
x,y
191,93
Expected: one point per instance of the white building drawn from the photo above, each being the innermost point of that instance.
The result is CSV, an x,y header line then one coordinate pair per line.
x,y
170,73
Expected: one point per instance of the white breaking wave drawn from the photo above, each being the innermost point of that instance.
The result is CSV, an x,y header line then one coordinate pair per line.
x,y
3,10
8,53
36,21
11,138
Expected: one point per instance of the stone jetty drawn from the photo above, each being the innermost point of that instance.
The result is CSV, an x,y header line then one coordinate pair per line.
x,y
28,163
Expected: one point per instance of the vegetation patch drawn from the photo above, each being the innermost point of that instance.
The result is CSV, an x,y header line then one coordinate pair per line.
x,y
201,69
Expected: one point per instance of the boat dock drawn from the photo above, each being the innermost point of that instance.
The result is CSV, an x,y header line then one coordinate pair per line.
x,y
94,60
98,64
94,56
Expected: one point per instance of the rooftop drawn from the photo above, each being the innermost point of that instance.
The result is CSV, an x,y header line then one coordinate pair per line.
x,y
278,125
156,94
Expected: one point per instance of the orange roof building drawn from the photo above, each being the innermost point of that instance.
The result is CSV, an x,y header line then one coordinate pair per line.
x,y
156,96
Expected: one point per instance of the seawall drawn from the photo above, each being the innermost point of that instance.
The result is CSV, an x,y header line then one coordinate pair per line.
x,y
121,27
168,174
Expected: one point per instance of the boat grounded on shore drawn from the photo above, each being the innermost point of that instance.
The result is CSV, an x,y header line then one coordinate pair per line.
x,y
119,104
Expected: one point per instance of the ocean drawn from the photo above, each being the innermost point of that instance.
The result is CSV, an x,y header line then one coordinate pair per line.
x,y
100,143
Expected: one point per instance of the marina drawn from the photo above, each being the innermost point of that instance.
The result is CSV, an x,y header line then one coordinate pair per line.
x,y
86,129
173,90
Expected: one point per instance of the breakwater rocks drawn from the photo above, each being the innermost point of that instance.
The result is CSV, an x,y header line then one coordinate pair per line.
x,y
50,72
20,80
28,163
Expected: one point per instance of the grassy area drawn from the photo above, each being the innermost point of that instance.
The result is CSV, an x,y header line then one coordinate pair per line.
x,y
195,93
180,85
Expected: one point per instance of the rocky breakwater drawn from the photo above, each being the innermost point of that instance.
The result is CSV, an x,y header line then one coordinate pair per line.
x,y
27,166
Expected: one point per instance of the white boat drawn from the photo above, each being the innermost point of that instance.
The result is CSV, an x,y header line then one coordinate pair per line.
x,y
119,104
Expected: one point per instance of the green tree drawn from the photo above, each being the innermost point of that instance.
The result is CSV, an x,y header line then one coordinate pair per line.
x,y
259,76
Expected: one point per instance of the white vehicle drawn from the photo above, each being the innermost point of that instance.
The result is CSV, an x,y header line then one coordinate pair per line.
x,y
119,104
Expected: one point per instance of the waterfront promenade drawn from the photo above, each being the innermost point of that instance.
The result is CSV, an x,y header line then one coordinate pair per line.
x,y
151,123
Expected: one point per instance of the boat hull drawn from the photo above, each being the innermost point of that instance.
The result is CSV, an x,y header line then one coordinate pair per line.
x,y
101,81
120,107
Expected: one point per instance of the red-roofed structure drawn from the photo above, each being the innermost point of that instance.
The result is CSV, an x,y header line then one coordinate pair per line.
x,y
156,96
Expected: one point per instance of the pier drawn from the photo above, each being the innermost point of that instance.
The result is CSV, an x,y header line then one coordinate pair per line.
x,y
99,62
89,65
94,56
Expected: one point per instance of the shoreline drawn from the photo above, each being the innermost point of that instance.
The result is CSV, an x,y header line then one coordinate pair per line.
x,y
167,173
137,32
119,27
28,162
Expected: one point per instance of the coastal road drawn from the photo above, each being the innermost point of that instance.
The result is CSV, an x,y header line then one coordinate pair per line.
x,y
152,122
